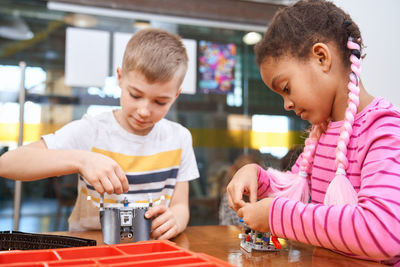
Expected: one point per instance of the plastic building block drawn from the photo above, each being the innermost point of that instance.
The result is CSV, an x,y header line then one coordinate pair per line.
x,y
15,240
142,253
254,240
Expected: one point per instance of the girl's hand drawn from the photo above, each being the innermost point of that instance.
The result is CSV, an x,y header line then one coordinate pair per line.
x,y
256,215
243,182
164,224
103,173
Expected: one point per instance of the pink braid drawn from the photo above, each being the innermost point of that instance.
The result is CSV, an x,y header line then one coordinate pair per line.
x,y
308,152
346,130
340,191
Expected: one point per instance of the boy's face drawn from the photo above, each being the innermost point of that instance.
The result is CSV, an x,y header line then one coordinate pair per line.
x,y
143,103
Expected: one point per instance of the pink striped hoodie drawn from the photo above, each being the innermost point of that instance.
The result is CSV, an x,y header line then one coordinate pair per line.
x,y
370,230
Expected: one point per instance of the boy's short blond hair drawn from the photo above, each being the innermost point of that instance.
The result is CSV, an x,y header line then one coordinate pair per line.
x,y
157,54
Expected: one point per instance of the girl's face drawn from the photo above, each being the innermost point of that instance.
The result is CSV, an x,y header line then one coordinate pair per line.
x,y
305,86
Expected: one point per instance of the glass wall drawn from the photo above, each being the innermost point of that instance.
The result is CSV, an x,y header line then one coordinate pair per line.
x,y
237,116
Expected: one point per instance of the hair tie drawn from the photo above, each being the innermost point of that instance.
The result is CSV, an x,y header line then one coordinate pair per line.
x,y
347,23
356,52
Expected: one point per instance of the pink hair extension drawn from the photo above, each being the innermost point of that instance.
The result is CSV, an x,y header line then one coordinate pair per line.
x,y
295,186
353,101
340,191
309,151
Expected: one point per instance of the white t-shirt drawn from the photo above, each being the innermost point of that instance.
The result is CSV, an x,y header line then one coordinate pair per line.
x,y
152,163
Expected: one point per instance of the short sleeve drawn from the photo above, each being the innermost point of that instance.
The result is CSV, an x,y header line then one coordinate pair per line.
x,y
188,169
77,134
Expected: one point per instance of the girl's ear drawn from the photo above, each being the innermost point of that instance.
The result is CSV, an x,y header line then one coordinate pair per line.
x,y
323,56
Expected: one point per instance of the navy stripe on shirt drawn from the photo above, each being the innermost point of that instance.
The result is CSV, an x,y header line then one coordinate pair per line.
x,y
153,190
152,177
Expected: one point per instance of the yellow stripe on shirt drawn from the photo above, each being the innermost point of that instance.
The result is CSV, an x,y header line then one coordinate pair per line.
x,y
96,199
131,163
169,197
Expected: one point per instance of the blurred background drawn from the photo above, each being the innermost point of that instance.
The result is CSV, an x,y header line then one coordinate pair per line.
x,y
64,55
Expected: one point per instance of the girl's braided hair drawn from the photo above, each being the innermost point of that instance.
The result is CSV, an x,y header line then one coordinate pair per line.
x,y
293,32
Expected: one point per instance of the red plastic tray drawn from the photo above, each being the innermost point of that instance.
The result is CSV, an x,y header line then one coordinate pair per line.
x,y
144,253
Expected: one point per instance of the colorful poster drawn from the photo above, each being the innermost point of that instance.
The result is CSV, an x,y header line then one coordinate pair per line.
x,y
217,67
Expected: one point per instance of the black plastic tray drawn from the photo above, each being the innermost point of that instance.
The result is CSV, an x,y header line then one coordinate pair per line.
x,y
15,240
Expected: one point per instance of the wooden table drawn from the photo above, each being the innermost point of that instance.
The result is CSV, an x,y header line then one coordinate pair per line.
x,y
223,242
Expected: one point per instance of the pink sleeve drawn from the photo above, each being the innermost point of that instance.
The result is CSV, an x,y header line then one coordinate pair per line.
x,y
370,230
263,182
271,181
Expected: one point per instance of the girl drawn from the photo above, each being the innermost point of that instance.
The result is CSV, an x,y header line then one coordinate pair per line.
x,y
310,55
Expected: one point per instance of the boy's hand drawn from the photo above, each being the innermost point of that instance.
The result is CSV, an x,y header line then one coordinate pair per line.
x,y
164,224
256,215
244,182
103,173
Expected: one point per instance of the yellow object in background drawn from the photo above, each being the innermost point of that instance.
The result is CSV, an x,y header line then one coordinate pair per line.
x,y
201,137
32,131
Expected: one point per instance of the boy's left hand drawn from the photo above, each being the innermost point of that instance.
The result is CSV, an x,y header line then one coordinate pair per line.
x,y
164,224
256,215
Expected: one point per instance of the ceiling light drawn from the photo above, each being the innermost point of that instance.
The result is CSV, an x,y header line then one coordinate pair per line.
x,y
252,38
81,20
140,24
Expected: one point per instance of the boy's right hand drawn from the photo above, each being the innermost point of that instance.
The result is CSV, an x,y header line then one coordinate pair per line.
x,y
103,173
244,182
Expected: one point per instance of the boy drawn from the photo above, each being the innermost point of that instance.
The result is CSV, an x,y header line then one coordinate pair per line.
x,y
132,150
